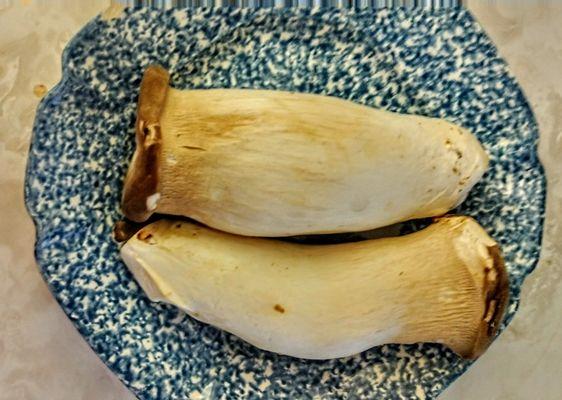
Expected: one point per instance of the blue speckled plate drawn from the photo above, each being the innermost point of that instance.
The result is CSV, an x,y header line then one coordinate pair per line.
x,y
436,63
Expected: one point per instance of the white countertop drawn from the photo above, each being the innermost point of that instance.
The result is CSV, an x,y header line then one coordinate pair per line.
x,y
43,357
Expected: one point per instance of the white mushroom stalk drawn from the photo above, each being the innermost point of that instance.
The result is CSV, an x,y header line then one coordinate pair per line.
x,y
272,163
445,284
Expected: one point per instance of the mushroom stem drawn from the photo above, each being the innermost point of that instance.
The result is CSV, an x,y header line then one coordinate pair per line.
x,y
445,284
274,163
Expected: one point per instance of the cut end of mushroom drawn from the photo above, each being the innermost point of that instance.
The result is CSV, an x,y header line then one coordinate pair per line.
x,y
496,293
141,182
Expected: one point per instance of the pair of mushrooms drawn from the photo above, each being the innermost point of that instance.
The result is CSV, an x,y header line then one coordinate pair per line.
x,y
252,163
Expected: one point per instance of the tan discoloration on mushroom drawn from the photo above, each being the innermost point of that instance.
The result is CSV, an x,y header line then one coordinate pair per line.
x,y
279,308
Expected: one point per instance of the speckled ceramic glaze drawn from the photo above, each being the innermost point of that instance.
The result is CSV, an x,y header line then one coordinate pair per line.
x,y
435,63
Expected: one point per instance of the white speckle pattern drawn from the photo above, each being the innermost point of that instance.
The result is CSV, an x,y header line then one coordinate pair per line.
x,y
437,63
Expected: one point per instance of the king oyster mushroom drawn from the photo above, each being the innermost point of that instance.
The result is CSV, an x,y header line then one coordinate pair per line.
x,y
446,283
273,163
